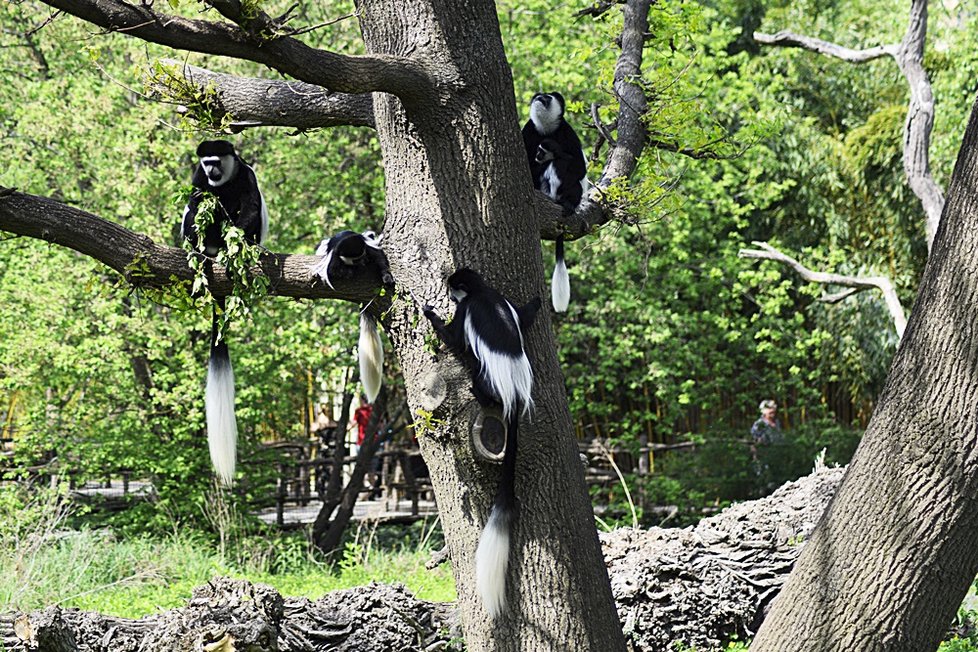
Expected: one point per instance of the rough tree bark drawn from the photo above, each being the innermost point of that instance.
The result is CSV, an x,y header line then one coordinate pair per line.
x,y
458,194
894,554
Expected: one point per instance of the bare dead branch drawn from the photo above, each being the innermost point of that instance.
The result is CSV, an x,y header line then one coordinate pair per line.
x,y
264,102
144,263
838,296
786,39
857,283
399,76
326,23
600,126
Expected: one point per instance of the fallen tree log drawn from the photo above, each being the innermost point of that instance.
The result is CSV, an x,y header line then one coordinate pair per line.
x,y
236,616
702,585
698,586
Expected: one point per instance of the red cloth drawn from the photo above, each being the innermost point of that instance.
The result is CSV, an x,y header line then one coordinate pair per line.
x,y
362,417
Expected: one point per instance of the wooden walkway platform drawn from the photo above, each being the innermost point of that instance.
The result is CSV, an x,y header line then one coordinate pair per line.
x,y
365,510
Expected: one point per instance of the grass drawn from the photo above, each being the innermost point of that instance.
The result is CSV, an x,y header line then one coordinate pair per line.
x,y
43,563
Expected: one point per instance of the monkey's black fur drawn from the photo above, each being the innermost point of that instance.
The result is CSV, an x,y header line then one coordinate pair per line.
x,y
547,123
559,179
222,173
559,170
348,254
487,334
239,198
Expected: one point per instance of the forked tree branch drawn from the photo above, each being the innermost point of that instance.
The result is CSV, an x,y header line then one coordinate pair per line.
x,y
144,263
909,55
255,102
855,283
400,76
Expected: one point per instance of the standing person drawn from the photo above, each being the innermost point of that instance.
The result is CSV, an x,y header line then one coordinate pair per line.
x,y
361,416
767,429
765,432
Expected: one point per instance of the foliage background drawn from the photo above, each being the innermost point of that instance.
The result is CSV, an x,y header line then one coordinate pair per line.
x,y
670,336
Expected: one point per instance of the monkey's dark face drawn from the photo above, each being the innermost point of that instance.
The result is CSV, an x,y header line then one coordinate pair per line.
x,y
547,151
218,169
546,111
463,283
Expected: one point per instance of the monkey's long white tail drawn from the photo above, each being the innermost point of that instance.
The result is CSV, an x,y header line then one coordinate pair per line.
x,y
492,555
371,354
560,283
222,428
492,560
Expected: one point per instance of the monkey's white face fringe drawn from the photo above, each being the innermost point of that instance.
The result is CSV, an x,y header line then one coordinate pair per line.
x,y
321,269
371,354
492,562
511,378
222,429
560,287
228,168
545,118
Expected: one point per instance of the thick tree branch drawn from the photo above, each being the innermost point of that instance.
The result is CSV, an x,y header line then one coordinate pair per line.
x,y
631,140
144,263
786,39
909,55
254,102
399,76
628,70
858,283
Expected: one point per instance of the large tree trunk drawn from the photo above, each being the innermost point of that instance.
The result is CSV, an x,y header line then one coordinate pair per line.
x,y
459,194
895,552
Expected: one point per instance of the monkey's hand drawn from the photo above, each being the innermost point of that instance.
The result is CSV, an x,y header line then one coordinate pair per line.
x,y
436,321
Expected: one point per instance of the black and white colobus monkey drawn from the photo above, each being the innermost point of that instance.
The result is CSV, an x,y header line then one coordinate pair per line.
x,y
344,255
559,170
487,333
222,173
